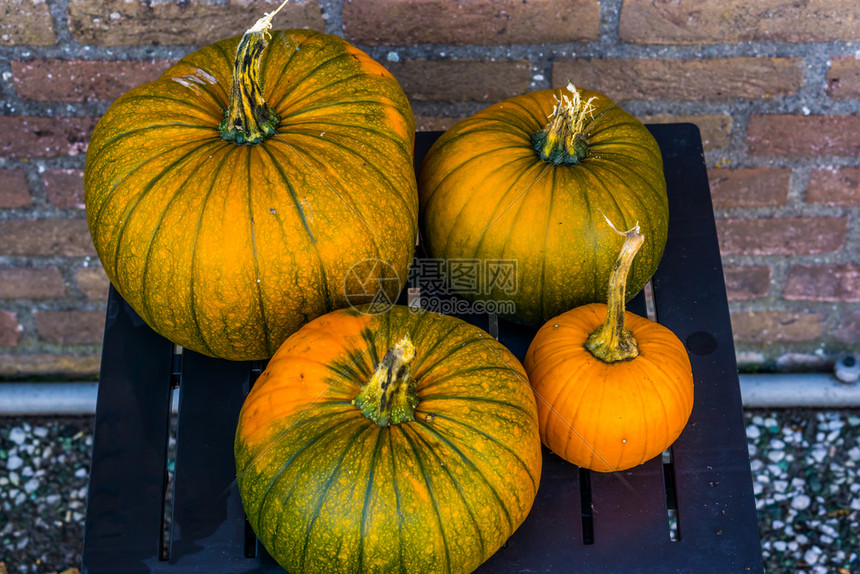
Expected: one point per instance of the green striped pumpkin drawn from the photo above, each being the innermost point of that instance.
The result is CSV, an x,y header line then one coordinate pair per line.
x,y
226,242
507,184
435,483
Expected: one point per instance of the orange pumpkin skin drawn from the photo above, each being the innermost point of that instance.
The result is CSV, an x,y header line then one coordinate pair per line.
x,y
608,416
328,491
227,249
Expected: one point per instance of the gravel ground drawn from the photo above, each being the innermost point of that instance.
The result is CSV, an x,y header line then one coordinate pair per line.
x,y
806,467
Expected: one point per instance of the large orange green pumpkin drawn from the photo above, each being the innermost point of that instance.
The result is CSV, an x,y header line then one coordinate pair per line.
x,y
529,180
400,442
226,231
614,389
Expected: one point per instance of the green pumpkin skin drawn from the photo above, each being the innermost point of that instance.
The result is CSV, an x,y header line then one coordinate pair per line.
x,y
226,249
328,491
486,194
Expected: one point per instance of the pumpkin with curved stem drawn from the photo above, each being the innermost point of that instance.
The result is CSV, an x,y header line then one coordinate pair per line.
x,y
614,389
505,184
229,199
398,442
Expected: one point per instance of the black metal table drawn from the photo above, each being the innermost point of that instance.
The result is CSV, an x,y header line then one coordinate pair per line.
x,y
690,511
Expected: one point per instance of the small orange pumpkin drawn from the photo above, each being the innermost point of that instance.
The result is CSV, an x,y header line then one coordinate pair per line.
x,y
614,389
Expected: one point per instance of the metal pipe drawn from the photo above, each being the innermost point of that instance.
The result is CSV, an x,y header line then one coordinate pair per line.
x,y
758,391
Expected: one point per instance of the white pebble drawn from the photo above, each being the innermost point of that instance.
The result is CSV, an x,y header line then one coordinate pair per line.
x,y
854,454
81,472
753,432
31,485
812,555
780,545
40,432
780,485
818,454
855,504
801,502
14,463
17,436
776,455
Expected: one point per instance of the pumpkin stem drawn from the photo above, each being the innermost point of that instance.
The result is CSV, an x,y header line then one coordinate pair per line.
x,y
612,341
562,141
390,396
247,119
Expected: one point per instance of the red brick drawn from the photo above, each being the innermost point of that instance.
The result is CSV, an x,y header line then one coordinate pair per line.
x,y
463,80
14,191
848,328
716,129
782,236
65,187
679,79
749,187
834,186
79,80
62,366
734,21
31,283
409,22
9,333
747,281
26,22
782,134
70,327
23,137
843,78
191,22
45,237
93,282
776,326
823,283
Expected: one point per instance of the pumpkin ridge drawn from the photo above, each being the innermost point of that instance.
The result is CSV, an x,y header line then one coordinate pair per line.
x,y
188,102
314,69
426,196
397,506
547,227
193,257
108,143
422,357
516,456
93,217
648,214
158,227
367,497
675,390
326,486
196,147
462,343
268,344
458,487
296,476
527,129
351,205
427,482
291,51
383,177
459,372
564,392
297,127
280,169
501,198
571,432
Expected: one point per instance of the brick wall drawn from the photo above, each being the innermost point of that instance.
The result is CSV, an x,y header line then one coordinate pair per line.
x,y
773,85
